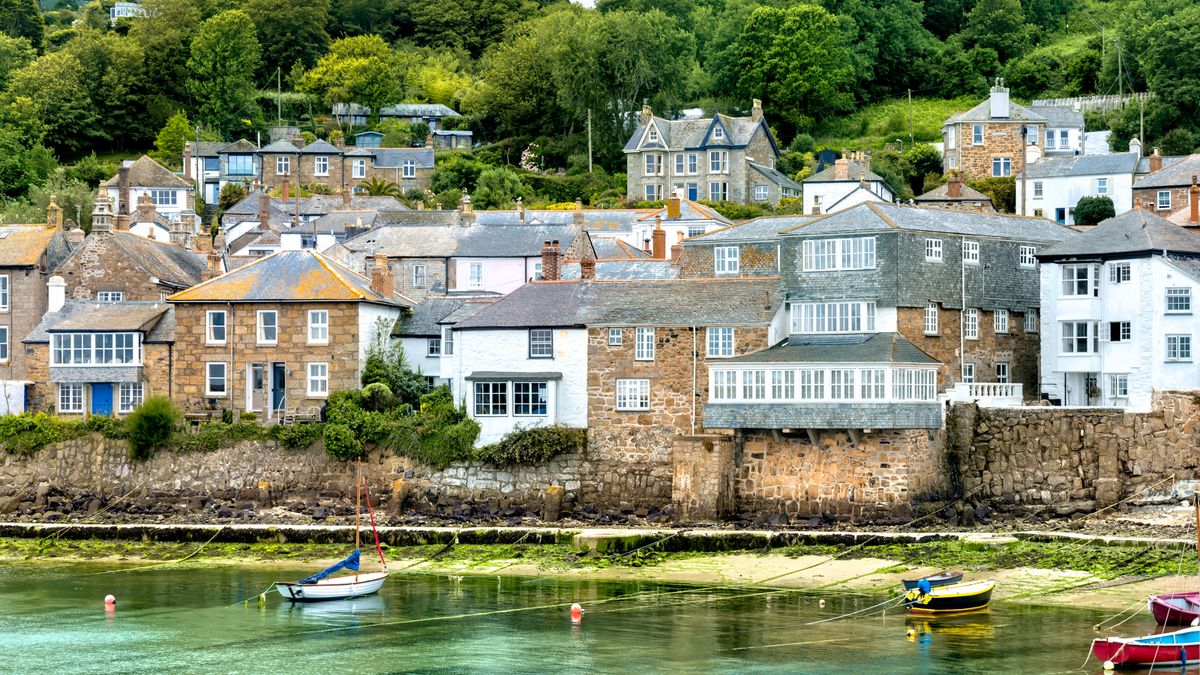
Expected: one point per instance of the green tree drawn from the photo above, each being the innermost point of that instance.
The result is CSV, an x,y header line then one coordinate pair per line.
x,y
378,187
168,146
359,69
1093,210
796,60
231,193
290,32
944,18
1169,63
498,187
22,164
458,172
225,53
469,24
165,36
52,86
1178,141
922,159
114,77
23,19
892,48
15,53
998,25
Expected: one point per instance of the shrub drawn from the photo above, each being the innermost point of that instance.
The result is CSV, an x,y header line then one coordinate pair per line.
x,y
248,416
533,445
216,435
227,416
27,433
341,442
151,426
378,396
108,427
297,436
1093,210
440,433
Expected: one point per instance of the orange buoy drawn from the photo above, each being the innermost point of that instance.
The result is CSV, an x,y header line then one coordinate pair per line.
x,y
576,613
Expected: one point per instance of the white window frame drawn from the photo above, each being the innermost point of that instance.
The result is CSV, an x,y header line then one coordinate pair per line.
x,y
408,168
1179,347
761,192
719,341
1038,189
1072,276
680,164
693,163
358,168
474,280
447,341
321,165
650,161
419,278
971,323
1028,257
643,345
718,132
433,347
933,250
1071,338
834,255
633,394
615,337
495,395
968,372
1163,200
652,134
718,191
129,396
283,165
317,380
4,293
1118,385
209,327
261,327
1179,293
1001,167
726,260
541,343
70,398
110,296
4,344
210,378
931,318
1002,373
1119,273
1050,140
1031,321
977,134
1124,331
528,396
653,192
318,326
970,252
1000,320
840,316
164,197
718,161
1102,186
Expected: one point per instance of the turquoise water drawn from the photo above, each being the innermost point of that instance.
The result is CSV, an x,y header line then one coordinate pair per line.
x,y
52,619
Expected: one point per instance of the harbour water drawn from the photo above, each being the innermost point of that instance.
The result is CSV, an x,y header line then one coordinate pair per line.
x,y
180,619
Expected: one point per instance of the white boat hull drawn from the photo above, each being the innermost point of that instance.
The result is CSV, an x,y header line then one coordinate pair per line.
x,y
334,588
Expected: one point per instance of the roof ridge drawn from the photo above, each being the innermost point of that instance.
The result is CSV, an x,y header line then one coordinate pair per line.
x,y
202,284
337,275
874,207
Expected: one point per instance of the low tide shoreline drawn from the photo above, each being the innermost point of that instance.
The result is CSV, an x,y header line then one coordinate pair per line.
x,y
1033,568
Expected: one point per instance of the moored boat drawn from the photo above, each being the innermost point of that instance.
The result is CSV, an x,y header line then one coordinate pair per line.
x,y
1175,609
1181,647
943,579
953,598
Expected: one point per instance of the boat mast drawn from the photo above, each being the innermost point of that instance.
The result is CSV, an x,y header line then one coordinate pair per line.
x,y
357,503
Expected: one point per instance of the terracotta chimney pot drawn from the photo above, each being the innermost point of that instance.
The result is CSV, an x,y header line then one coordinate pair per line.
x,y
673,210
1155,161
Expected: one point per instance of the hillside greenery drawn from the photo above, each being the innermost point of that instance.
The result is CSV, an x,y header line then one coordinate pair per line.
x,y
77,94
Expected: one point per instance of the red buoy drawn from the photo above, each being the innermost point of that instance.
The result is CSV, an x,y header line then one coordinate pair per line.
x,y
110,600
576,613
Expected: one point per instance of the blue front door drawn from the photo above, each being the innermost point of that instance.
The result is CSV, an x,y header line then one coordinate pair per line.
x,y
102,399
693,191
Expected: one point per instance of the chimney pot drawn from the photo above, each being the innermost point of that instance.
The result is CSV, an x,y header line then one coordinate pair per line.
x,y
551,257
381,275
676,252
286,188
756,111
673,210
123,188
659,236
578,218
102,216
57,293
647,113
1194,202
54,214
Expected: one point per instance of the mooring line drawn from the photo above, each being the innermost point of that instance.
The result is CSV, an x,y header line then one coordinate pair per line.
x,y
168,562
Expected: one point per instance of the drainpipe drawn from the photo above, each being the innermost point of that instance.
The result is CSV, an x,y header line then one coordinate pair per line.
x,y
229,375
962,313
694,367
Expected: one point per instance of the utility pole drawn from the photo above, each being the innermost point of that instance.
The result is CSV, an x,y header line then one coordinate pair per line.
x,y
1142,121
279,95
910,120
589,122
1119,75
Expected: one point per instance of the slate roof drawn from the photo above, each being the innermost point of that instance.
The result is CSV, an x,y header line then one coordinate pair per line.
x,y
23,246
207,148
853,348
616,270
688,211
475,241
240,146
760,229
425,317
289,276
398,110
855,172
1143,167
389,217
320,147
941,193
1135,231
145,172
676,302
597,220
155,319
884,217
612,248
172,264
280,146
690,133
1083,165
390,158
983,113
775,176
282,211
1059,116
337,222
1176,174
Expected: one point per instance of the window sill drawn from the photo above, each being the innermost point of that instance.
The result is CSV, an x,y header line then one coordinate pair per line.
x,y
216,394
632,410
321,343
933,334
1177,360
541,358
1177,313
315,395
215,344
273,343
644,360
934,260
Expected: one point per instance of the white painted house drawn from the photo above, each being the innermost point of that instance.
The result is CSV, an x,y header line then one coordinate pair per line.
x,y
1053,185
847,183
1063,133
144,177
1119,316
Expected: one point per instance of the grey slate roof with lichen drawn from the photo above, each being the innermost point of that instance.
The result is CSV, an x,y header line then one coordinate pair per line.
x,y
280,147
883,217
690,134
391,158
941,193
145,172
172,264
1083,165
853,348
1059,116
424,318
475,241
766,228
240,146
609,248
982,112
1133,232
855,171
642,303
155,319
1173,174
775,176
616,270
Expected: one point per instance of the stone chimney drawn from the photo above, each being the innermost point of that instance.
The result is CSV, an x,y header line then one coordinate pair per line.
x,y
841,169
954,186
213,269
54,214
181,232
102,217
187,160
1155,161
56,287
673,207
998,102
75,236
264,209
550,259
520,210
647,113
286,188
1135,145
381,275
123,188
1194,200
587,268
676,252
346,201
659,239
467,211
577,218
756,113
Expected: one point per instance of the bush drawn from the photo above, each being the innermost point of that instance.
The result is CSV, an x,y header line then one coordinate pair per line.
x,y
1093,210
248,416
151,426
341,442
297,436
108,427
27,433
378,396
216,435
533,445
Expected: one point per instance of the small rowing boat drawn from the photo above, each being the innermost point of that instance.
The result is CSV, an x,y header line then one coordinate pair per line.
x,y
1181,647
1175,609
943,579
950,599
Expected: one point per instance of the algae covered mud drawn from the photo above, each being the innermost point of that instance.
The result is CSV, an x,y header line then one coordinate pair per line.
x,y
175,618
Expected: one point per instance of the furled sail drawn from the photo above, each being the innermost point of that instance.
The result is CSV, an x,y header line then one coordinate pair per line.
x,y
350,563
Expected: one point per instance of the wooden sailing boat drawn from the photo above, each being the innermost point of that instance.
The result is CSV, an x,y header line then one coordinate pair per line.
x,y
323,585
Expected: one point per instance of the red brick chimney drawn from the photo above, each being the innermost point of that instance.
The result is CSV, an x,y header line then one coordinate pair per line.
x,y
550,260
123,187
841,169
1194,199
673,210
1155,161
587,268
286,188
381,276
659,238
954,186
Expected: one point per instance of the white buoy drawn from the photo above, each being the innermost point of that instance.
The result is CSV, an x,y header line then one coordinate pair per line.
x,y
1109,665
821,602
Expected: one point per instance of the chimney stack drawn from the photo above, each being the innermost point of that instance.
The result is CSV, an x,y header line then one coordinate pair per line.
x,y
999,105
647,113
187,160
1194,200
1155,161
123,186
659,237
954,186
587,268
1135,145
381,275
673,210
676,252
577,218
102,214
550,261
213,270
75,236
57,288
54,214
520,210
841,168
756,112
286,188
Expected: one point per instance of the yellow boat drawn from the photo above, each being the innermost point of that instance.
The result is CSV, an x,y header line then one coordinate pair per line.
x,y
955,598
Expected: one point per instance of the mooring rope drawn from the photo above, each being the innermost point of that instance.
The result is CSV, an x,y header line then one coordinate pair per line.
x,y
893,602
167,562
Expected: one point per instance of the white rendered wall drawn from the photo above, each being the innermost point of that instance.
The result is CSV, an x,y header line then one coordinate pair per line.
x,y
500,275
1066,191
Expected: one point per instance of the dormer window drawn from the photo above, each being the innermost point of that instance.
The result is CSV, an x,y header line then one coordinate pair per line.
x,y
719,132
653,135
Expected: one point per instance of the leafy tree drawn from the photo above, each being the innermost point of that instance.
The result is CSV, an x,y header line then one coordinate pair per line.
x,y
165,35
998,25
114,77
441,77
1169,62
224,55
366,17
458,172
1093,210
290,32
231,193
385,363
944,18
52,86
498,187
469,24
892,48
168,146
922,159
15,53
378,187
23,19
796,60
359,70
90,171
22,164
1178,141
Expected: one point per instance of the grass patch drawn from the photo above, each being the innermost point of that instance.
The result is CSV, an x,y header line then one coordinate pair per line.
x,y
878,124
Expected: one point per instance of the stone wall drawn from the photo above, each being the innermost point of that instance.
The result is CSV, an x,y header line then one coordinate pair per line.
x,y
1180,200
103,265
27,301
1000,139
756,259
1017,348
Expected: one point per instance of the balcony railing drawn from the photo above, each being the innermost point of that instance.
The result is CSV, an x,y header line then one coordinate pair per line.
x,y
993,394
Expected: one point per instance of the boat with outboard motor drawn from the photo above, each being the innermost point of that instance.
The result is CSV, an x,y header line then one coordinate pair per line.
x,y
943,579
950,599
